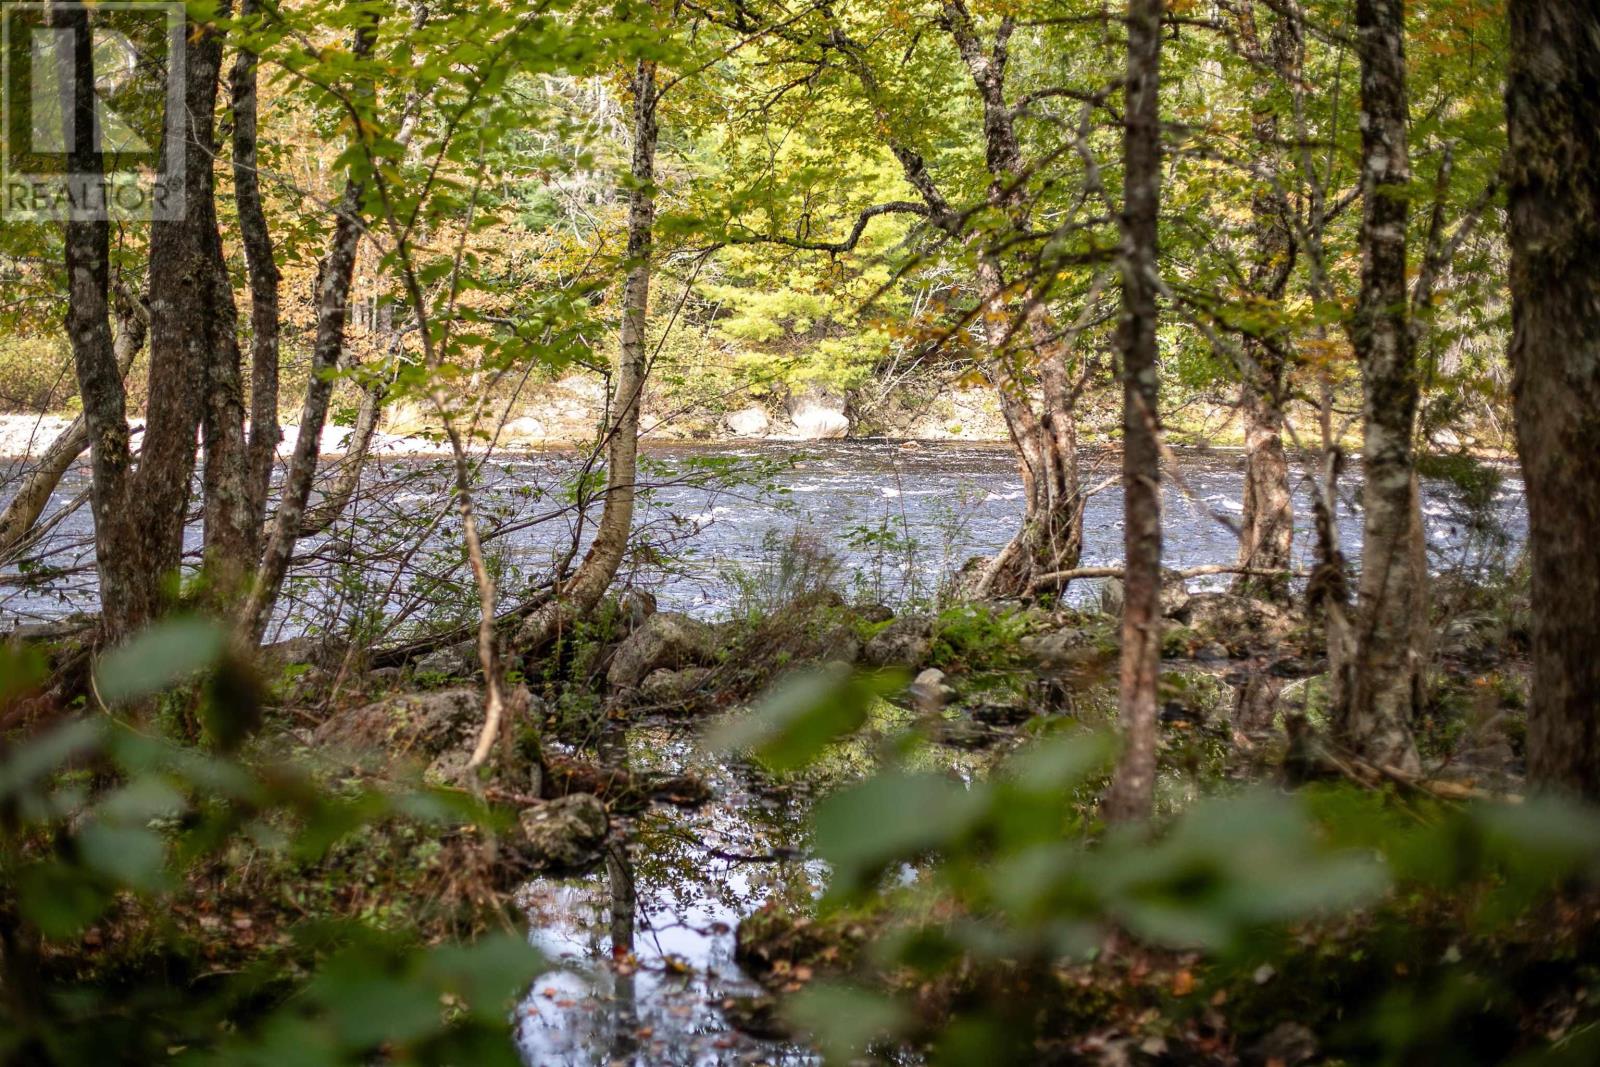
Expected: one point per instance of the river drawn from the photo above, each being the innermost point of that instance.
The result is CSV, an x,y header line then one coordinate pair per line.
x,y
896,518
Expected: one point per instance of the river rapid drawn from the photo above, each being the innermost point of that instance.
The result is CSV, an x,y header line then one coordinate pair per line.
x,y
895,518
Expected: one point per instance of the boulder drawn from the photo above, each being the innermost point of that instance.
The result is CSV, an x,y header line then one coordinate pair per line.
x,y
752,421
566,832
929,691
1108,597
666,639
635,607
819,417
1236,621
905,642
670,687
1174,594
451,661
875,613
526,430
1058,648
418,724
438,729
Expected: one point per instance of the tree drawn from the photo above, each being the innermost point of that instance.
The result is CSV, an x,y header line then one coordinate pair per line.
x,y
579,594
1553,116
1375,718
1267,523
1132,794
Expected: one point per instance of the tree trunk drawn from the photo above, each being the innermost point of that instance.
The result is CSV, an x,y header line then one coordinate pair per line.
x,y
1051,536
334,276
231,527
1266,530
333,296
87,251
1376,718
33,496
1132,795
347,472
594,575
182,294
1553,116
264,280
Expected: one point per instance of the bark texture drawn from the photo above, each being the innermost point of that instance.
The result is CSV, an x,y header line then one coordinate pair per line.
x,y
182,296
599,566
123,596
264,280
1375,719
1266,529
231,526
1553,115
1132,794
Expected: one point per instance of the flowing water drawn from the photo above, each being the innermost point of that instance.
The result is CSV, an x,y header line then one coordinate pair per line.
x,y
898,517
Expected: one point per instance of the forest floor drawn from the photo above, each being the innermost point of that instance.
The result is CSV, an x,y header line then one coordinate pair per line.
x,y
984,679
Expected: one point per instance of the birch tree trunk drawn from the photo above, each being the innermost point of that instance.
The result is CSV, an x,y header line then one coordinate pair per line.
x,y
1553,116
1132,794
599,566
1375,719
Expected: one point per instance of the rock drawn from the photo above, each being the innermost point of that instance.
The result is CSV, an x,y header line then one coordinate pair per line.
x,y
905,642
1236,621
566,832
526,430
419,725
1211,653
1058,648
752,421
385,677
636,606
1109,596
670,687
666,639
438,728
929,690
875,613
450,661
998,706
819,417
1174,594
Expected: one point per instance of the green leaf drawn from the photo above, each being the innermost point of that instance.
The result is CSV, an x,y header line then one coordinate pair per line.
x,y
843,1018
892,816
130,856
806,713
159,658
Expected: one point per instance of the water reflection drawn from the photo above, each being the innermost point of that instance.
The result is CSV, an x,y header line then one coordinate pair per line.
x,y
643,946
